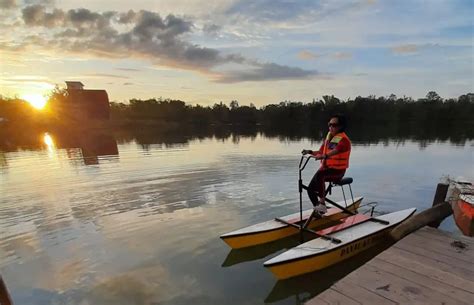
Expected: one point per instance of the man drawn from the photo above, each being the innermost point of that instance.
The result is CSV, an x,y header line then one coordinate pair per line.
x,y
334,155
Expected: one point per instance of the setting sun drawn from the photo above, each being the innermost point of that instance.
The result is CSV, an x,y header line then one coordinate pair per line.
x,y
36,100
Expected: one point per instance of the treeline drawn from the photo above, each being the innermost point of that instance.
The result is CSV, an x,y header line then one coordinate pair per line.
x,y
286,115
369,109
15,110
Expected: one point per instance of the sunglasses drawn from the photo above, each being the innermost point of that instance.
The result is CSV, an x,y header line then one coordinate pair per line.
x,y
333,125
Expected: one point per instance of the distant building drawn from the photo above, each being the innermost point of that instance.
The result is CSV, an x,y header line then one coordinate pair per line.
x,y
87,104
74,85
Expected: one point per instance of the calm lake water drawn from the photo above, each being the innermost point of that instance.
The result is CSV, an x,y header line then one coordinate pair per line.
x,y
122,219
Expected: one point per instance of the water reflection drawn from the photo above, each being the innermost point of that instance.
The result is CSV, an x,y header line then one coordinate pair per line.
x,y
237,256
304,287
84,146
3,160
103,142
93,146
48,140
87,227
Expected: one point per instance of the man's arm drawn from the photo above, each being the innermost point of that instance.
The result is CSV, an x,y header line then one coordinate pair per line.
x,y
318,153
343,146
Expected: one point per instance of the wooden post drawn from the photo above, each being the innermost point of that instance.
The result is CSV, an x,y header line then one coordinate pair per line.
x,y
439,198
5,298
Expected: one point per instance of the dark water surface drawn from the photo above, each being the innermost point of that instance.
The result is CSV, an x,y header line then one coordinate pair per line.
x,y
135,218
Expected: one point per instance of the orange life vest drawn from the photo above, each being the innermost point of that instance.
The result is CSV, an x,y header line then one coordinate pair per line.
x,y
340,160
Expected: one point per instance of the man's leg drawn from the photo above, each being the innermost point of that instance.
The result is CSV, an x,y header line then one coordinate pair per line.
x,y
317,186
332,175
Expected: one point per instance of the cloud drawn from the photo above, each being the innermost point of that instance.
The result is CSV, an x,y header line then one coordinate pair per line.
x,y
266,72
150,25
36,15
307,55
7,4
27,79
211,29
129,69
107,75
342,55
291,15
405,49
142,34
372,23
43,2
271,10
127,17
33,81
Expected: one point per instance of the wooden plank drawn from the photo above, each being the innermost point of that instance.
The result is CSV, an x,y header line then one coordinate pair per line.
x,y
423,280
398,289
442,235
423,268
442,247
432,270
442,264
361,294
316,301
418,249
433,235
333,297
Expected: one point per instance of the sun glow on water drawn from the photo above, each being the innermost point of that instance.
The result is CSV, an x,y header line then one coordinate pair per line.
x,y
36,100
48,140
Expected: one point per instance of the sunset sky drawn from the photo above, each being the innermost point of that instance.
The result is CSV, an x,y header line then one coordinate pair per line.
x,y
260,52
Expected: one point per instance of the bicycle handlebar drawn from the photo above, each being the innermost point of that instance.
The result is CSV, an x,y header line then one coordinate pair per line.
x,y
307,157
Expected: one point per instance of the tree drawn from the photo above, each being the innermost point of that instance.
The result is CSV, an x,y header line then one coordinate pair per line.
x,y
330,99
234,104
466,98
432,96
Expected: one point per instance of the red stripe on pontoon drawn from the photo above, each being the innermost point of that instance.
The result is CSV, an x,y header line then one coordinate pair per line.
x,y
345,223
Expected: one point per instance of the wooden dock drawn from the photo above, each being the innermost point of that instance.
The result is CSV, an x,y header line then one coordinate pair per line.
x,y
426,267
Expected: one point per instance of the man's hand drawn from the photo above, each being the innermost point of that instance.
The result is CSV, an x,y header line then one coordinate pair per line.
x,y
306,152
320,157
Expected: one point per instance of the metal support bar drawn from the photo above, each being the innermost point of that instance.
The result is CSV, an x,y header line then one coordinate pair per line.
x,y
308,221
301,186
328,189
352,196
352,213
344,195
326,237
